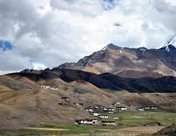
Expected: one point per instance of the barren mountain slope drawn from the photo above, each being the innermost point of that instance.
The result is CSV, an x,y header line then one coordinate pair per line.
x,y
129,62
37,105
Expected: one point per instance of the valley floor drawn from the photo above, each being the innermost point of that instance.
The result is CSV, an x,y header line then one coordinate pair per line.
x,y
132,131
129,124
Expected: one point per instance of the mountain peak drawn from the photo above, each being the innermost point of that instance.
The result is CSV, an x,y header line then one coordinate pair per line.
x,y
129,62
112,47
172,41
169,47
171,44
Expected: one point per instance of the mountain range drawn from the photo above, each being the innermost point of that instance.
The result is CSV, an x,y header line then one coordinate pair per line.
x,y
135,77
133,69
104,81
129,62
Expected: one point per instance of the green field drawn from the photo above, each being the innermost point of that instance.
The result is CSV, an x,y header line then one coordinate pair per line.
x,y
132,119
126,119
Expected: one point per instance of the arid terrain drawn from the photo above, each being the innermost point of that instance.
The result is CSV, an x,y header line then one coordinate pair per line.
x,y
25,102
55,99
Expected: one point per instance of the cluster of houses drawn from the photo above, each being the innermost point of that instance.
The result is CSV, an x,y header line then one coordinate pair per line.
x,y
119,106
66,101
99,109
87,121
49,87
95,122
101,113
148,108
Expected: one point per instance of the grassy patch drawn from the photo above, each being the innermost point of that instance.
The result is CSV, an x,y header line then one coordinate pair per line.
x,y
73,128
28,133
128,119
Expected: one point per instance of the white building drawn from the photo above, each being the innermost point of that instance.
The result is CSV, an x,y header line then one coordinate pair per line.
x,y
103,116
96,114
141,109
121,108
86,121
49,87
108,123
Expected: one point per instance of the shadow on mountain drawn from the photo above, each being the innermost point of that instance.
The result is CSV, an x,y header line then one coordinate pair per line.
x,y
105,81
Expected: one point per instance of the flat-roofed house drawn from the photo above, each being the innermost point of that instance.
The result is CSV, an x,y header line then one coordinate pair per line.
x,y
103,116
86,121
121,108
108,123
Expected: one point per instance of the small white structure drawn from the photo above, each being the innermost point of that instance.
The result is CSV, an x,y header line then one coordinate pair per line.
x,y
96,114
109,110
124,109
150,107
141,109
49,87
108,123
89,110
103,116
121,108
86,121
116,118
105,109
116,103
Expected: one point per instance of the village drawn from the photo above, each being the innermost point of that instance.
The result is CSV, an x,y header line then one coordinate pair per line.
x,y
99,114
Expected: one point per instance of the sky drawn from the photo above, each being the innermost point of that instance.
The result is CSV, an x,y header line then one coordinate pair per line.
x,y
37,34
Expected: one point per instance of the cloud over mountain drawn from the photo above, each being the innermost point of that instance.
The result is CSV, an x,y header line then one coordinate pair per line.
x,y
50,32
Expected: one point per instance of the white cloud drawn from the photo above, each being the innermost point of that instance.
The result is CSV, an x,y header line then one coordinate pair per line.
x,y
47,33
38,66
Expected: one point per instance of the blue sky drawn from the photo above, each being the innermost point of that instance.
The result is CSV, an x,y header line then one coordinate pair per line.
x,y
46,33
5,45
109,4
